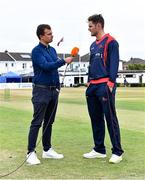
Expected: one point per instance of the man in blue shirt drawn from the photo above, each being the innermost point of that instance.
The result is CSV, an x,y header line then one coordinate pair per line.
x,y
45,93
100,94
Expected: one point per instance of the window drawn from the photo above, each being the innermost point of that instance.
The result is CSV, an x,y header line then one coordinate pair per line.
x,y
26,56
12,64
71,66
24,65
118,75
6,64
130,75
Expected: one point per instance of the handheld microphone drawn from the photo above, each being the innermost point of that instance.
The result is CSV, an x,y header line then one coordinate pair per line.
x,y
74,52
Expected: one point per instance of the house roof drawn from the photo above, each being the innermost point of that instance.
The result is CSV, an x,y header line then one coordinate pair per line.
x,y
85,58
14,56
21,56
75,59
5,57
135,61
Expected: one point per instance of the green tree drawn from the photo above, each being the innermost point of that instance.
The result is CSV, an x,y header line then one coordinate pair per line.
x,y
136,67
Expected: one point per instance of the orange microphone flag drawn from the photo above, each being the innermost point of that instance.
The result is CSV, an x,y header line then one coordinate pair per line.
x,y
74,51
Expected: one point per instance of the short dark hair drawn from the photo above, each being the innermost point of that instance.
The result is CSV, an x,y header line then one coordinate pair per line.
x,y
97,18
41,28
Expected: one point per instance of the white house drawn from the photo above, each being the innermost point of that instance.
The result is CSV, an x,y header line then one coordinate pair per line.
x,y
76,72
16,62
131,76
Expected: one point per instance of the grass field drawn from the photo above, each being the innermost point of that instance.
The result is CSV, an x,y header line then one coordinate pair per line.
x,y
72,136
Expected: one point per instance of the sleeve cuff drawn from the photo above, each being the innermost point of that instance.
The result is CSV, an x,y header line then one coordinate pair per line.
x,y
110,84
62,61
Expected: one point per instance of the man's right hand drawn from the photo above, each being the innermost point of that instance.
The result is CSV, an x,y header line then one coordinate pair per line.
x,y
88,84
68,60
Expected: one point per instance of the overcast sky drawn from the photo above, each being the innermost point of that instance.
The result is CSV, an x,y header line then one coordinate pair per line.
x,y
124,19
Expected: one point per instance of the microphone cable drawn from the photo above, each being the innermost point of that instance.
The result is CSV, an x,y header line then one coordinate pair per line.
x,y
74,52
23,162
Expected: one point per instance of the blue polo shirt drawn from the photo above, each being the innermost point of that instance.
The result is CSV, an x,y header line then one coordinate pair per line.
x,y
45,64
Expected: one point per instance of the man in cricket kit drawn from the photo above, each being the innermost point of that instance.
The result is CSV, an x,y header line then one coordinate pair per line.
x,y
100,94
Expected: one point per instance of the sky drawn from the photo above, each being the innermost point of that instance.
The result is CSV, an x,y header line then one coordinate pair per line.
x,y
124,20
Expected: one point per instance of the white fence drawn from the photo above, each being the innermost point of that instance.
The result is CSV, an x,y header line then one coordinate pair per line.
x,y
70,80
15,85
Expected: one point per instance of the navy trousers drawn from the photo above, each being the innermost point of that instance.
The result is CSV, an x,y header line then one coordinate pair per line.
x,y
45,105
101,102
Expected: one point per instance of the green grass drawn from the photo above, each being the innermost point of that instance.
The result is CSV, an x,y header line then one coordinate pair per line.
x,y
72,136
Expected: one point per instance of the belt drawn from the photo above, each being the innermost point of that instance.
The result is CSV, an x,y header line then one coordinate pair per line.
x,y
98,81
45,86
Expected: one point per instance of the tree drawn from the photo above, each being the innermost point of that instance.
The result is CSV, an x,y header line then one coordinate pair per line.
x,y
136,66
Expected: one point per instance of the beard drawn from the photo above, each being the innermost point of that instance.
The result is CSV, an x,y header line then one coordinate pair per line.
x,y
94,33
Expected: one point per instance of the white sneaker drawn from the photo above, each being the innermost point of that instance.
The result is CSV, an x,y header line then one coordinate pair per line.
x,y
115,159
52,154
32,159
94,154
